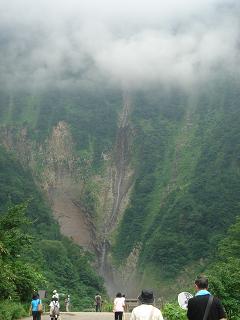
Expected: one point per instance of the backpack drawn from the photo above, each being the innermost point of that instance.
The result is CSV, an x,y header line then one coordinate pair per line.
x,y
55,311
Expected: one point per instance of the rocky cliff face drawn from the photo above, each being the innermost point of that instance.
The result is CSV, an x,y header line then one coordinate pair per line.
x,y
58,171
54,167
115,197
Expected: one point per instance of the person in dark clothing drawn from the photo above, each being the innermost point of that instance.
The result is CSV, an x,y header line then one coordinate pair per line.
x,y
98,302
197,305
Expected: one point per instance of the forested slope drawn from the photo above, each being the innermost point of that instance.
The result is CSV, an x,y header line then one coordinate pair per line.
x,y
61,264
183,152
187,187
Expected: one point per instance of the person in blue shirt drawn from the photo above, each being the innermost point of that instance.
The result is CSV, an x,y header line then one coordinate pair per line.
x,y
36,314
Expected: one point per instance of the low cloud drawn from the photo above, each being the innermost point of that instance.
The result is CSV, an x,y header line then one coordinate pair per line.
x,y
129,43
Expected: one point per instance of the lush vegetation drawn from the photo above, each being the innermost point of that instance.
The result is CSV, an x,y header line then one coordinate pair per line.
x,y
18,279
90,112
172,311
10,310
187,187
224,273
33,254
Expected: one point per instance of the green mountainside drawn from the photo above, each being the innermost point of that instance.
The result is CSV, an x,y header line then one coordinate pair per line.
x,y
62,264
187,188
183,150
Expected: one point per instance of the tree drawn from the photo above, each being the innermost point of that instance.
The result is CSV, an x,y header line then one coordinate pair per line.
x,y
225,283
224,274
18,278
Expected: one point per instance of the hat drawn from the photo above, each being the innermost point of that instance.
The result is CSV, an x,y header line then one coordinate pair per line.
x,y
146,296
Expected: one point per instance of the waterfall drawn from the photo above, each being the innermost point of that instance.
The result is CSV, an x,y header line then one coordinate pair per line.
x,y
120,185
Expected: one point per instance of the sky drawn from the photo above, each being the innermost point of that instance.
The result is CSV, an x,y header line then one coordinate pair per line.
x,y
127,43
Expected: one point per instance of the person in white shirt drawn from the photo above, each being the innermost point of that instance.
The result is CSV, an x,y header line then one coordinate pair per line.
x,y
118,306
146,311
67,303
54,308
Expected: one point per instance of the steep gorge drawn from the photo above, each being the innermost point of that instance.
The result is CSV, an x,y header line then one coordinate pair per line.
x,y
116,197
132,177
60,173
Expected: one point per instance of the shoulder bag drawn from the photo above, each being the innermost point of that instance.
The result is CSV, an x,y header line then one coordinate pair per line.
x,y
40,307
210,300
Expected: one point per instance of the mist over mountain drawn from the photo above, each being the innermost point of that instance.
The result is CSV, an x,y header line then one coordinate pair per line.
x,y
128,45
127,116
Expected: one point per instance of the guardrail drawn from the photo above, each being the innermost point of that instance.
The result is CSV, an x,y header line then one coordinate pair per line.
x,y
130,304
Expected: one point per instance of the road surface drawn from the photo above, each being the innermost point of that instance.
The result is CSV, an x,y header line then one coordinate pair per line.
x,y
84,316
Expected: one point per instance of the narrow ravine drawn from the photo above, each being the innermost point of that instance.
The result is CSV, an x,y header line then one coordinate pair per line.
x,y
61,182
121,181
121,161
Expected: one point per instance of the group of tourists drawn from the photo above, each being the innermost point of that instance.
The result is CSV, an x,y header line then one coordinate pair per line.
x,y
54,306
145,310
203,306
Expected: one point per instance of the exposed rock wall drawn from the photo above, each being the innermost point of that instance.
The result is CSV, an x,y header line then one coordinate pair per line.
x,y
57,170
115,194
54,167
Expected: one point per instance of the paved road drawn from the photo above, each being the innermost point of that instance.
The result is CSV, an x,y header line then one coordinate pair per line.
x,y
84,316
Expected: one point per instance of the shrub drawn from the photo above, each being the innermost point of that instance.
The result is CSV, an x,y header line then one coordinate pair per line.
x,y
107,306
11,310
172,311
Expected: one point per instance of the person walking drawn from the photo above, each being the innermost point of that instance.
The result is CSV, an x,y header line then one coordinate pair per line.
x,y
36,307
54,309
146,311
67,303
98,302
118,306
204,305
